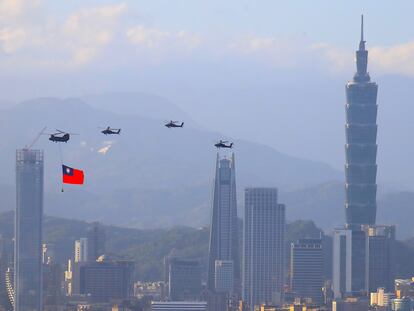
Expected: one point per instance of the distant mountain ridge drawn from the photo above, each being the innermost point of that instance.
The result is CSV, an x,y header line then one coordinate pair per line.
x,y
155,177
149,176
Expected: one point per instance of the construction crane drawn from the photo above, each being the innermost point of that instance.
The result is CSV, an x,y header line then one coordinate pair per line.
x,y
36,139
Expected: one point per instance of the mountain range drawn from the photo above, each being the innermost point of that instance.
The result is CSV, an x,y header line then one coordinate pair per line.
x,y
151,176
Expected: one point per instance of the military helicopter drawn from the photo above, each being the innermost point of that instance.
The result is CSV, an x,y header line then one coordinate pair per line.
x,y
223,144
110,131
174,124
60,136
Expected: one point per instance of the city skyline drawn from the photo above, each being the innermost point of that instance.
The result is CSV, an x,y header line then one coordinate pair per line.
x,y
273,256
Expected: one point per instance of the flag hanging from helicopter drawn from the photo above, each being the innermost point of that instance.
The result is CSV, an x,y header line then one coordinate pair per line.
x,y
72,176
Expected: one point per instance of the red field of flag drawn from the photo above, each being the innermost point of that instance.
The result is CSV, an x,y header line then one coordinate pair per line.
x,y
72,176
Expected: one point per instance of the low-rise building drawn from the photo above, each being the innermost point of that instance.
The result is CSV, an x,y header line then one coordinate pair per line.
x,y
350,304
178,306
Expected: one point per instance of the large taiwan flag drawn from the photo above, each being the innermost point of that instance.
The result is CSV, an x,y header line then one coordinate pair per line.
x,y
72,176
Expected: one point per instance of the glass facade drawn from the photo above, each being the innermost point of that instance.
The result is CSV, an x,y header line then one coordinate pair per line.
x,y
264,247
361,145
306,268
224,238
28,230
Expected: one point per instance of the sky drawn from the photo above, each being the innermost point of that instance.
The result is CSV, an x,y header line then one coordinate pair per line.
x,y
246,68
69,37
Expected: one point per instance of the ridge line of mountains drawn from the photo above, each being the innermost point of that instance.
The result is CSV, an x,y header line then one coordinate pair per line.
x,y
154,177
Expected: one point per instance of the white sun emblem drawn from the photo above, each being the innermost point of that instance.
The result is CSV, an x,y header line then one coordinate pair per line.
x,y
68,170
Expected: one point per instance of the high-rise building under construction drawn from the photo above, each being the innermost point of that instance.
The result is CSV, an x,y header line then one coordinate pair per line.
x,y
28,230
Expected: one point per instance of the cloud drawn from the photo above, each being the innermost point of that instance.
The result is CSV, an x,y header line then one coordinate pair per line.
x,y
87,31
289,52
156,39
274,50
13,8
397,59
12,39
335,58
32,40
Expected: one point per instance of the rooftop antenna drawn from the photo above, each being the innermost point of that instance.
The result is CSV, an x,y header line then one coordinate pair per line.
x,y
362,27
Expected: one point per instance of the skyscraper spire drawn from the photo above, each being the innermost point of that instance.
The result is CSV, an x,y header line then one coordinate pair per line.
x,y
361,145
362,28
362,58
362,42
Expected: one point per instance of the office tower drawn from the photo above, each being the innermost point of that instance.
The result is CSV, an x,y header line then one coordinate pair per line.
x,y
223,274
103,280
81,250
363,260
361,146
263,253
28,230
380,241
306,268
96,241
52,282
184,279
362,251
224,239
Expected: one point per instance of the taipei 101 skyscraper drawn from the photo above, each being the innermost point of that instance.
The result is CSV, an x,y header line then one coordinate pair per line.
x,y
362,250
361,145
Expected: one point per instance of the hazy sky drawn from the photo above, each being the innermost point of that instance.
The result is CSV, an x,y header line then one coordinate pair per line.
x,y
269,71
48,38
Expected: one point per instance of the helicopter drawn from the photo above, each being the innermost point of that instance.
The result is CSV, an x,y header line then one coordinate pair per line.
x,y
174,124
60,136
110,131
222,144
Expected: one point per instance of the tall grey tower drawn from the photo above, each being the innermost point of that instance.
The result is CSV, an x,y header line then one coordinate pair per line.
x,y
224,239
264,247
361,146
96,241
362,251
28,230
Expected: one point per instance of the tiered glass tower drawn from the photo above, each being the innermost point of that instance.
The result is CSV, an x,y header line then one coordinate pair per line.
x,y
224,237
361,145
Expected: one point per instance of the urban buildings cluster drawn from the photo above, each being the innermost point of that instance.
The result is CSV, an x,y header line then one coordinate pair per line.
x,y
249,266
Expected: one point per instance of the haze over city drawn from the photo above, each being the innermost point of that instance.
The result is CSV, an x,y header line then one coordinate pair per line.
x,y
206,155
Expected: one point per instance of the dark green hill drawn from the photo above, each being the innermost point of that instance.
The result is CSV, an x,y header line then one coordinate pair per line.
x,y
149,247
